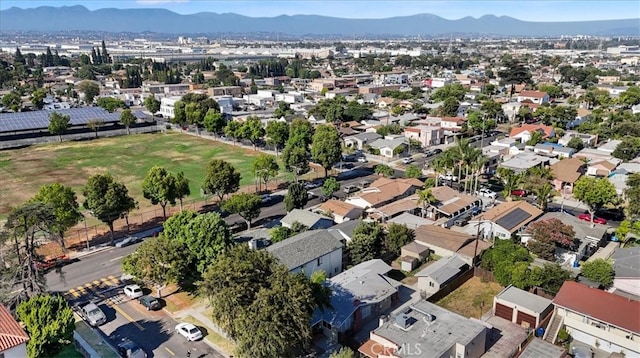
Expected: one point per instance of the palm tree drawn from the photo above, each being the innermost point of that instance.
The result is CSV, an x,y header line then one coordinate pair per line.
x,y
543,194
511,183
426,199
478,165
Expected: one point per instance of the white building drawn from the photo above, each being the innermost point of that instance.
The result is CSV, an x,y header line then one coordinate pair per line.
x,y
13,339
167,105
310,251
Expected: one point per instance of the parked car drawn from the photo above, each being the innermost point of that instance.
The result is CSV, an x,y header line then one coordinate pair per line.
x,y
487,193
349,158
519,192
189,331
57,261
266,199
448,177
311,195
350,189
362,160
128,241
408,160
462,221
437,151
559,210
128,349
94,315
133,291
149,302
364,184
611,214
597,220
429,153
312,185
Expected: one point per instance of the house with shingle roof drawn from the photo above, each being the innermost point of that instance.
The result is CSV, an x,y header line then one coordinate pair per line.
x,y
445,242
451,204
602,168
307,218
566,173
384,191
626,264
13,339
506,219
525,131
596,318
340,210
310,251
437,275
536,97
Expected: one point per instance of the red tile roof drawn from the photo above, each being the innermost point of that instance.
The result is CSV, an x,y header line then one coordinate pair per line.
x,y
11,333
533,94
532,128
601,305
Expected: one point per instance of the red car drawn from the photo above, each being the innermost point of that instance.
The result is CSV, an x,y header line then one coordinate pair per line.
x,y
597,220
519,192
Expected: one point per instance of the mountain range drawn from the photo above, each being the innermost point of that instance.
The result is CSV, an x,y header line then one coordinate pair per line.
x,y
70,18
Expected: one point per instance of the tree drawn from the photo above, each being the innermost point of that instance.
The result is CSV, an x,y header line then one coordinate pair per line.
x,y
454,90
296,197
550,277
160,187
182,187
598,270
628,149
265,166
344,352
95,124
160,261
426,199
492,109
366,243
283,110
247,290
28,225
58,124
576,143
509,263
205,237
110,104
536,138
595,193
37,98
90,90
221,178
546,235
232,130
477,122
412,171
383,169
244,204
194,115
543,195
281,233
325,148
127,119
252,130
514,73
295,156
301,131
330,186
630,97
277,134
49,322
397,236
449,107
152,105
632,196
107,199
64,205
12,100
214,121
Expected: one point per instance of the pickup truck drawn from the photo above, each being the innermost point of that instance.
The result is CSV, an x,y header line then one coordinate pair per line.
x,y
48,264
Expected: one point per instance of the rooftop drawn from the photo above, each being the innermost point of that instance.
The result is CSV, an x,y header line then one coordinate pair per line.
x,y
540,348
511,215
524,299
444,269
436,328
437,236
304,217
582,228
11,332
338,207
304,247
450,201
626,262
601,305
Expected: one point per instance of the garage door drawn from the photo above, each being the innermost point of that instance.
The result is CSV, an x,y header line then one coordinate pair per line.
x,y
504,311
523,317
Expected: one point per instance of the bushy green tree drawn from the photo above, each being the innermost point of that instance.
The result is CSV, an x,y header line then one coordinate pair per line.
x,y
595,193
59,124
49,322
296,197
397,236
221,178
330,186
244,204
367,242
325,147
160,187
598,270
127,119
64,205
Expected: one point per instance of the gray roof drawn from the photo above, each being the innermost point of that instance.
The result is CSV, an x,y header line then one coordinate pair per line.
x,y
539,348
365,283
304,217
524,299
304,247
346,227
582,229
410,220
391,143
365,136
435,338
626,262
444,269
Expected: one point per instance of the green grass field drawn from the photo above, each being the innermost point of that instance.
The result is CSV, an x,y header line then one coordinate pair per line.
x,y
127,158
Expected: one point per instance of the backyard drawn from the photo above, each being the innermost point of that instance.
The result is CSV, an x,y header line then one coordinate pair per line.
x,y
472,299
127,158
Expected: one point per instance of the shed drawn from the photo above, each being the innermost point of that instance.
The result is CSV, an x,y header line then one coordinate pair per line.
x,y
521,307
414,253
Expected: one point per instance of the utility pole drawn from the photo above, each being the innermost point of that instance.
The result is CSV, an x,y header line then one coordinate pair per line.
x,y
475,250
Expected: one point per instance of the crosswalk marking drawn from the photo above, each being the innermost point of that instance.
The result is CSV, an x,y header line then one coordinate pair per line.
x,y
95,287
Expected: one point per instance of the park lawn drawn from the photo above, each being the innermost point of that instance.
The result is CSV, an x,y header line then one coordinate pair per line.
x,y
471,298
127,158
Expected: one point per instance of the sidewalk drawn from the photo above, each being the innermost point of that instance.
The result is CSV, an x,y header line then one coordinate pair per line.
x,y
197,313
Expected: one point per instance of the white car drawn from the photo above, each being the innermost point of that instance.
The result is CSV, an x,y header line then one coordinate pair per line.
x,y
486,193
133,291
448,177
189,331
407,160
362,160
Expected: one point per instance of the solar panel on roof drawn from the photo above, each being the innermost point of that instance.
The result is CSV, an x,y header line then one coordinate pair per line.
x,y
513,218
38,120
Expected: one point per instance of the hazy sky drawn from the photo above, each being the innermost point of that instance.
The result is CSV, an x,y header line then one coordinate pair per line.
x,y
522,9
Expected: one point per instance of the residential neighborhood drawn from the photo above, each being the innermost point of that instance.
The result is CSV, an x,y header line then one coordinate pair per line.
x,y
240,197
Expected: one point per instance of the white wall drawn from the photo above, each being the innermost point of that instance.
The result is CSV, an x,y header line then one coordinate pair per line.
x,y
330,263
15,352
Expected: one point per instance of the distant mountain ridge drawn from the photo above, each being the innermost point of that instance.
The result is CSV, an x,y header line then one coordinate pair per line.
x,y
69,18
